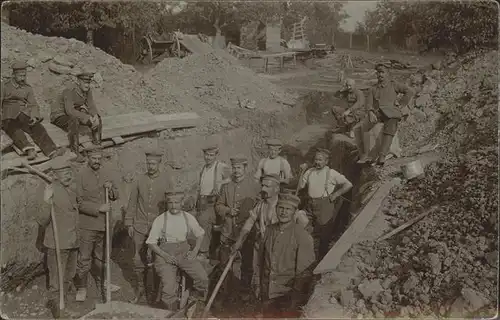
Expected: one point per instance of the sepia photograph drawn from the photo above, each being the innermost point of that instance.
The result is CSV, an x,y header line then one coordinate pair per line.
x,y
249,159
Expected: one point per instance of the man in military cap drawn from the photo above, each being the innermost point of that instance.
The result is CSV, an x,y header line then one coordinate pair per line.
x,y
76,108
347,118
274,163
233,207
286,255
145,204
91,182
325,187
61,197
262,216
382,106
214,174
168,240
20,114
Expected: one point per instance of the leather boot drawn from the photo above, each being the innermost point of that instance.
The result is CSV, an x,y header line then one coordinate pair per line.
x,y
96,137
74,146
365,157
31,154
384,148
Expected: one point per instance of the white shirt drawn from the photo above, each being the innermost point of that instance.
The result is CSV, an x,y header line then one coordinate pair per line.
x,y
207,178
176,229
318,187
278,165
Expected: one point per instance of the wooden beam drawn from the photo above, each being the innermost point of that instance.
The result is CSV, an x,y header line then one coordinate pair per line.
x,y
353,233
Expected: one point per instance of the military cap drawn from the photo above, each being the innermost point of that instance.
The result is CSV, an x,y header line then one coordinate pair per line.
x,y
272,177
211,148
274,142
153,154
175,194
94,148
349,82
380,66
288,199
323,151
60,164
85,74
239,159
19,65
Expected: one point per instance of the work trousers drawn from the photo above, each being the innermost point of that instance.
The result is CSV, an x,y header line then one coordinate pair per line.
x,y
168,273
92,250
68,265
16,128
390,124
247,255
73,127
206,218
141,259
322,215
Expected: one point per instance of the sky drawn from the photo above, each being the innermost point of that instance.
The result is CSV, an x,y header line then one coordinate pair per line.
x,y
356,9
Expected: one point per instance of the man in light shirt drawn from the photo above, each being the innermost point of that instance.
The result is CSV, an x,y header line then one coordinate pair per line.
x,y
168,240
213,175
323,202
274,163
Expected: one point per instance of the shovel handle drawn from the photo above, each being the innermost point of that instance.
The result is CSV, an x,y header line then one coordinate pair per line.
x,y
108,252
217,287
37,172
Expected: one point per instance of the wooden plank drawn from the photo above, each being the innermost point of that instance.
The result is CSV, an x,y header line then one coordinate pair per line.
x,y
353,233
177,120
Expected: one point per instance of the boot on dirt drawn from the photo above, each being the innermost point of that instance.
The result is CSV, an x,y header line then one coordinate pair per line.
x,y
31,154
138,294
57,153
365,158
384,149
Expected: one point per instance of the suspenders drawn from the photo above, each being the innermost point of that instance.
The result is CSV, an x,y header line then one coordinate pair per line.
x,y
164,231
327,179
282,167
216,174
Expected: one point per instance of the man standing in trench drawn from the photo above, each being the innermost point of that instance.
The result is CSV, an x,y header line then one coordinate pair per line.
x,y
233,207
286,255
213,175
381,105
324,202
274,163
91,182
75,108
143,207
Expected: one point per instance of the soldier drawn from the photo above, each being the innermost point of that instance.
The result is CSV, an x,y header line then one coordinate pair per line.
x,y
323,203
168,239
233,207
61,196
20,114
213,175
355,101
91,182
287,254
76,108
381,107
263,215
274,163
143,207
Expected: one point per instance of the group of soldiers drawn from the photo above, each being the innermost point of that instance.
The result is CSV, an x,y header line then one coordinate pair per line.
x,y
257,218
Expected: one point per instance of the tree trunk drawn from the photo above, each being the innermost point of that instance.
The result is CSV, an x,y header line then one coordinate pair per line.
x,y
90,36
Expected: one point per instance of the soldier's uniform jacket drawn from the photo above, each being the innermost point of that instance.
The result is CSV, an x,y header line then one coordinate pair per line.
x,y
71,102
65,208
355,97
383,97
91,195
285,255
240,195
145,202
18,98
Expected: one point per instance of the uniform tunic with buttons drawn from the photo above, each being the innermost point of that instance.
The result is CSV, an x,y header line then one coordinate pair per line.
x,y
145,201
70,102
383,96
18,98
285,255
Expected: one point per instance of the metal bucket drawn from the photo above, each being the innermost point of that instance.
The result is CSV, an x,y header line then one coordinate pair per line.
x,y
412,170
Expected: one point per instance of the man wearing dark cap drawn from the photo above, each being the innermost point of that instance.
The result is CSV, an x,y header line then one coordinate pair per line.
x,y
91,182
382,106
274,163
76,108
324,202
20,114
286,255
262,215
144,205
61,197
168,239
233,207
214,174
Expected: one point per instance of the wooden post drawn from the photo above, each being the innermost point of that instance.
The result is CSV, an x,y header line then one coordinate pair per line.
x,y
368,42
350,40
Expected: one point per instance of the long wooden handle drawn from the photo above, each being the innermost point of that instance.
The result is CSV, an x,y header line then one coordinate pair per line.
x,y
58,257
38,172
108,252
406,225
217,287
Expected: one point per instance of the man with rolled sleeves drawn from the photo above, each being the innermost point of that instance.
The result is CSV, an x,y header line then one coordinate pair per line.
x,y
61,196
75,109
274,163
323,202
214,174
144,206
233,207
381,105
91,182
262,216
286,255
20,114
168,240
